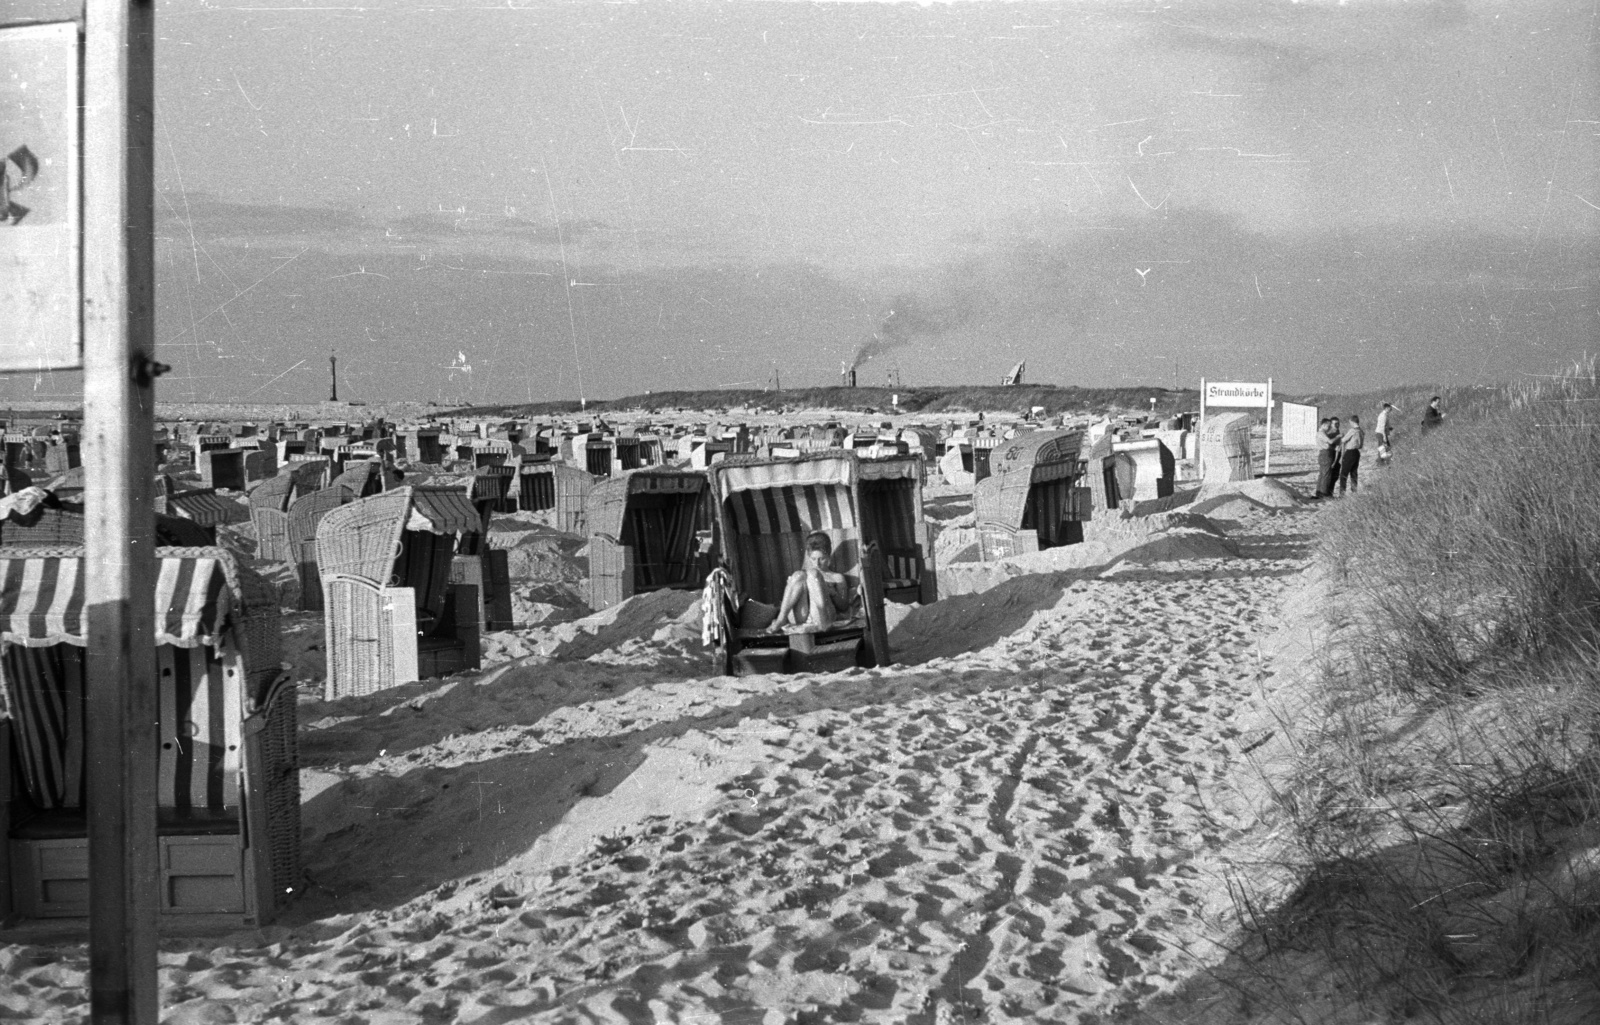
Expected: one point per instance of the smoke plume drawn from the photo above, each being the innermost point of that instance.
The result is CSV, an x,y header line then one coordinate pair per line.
x,y
905,323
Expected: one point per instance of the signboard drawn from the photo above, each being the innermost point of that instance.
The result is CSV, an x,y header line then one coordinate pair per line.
x,y
1299,425
1236,393
40,284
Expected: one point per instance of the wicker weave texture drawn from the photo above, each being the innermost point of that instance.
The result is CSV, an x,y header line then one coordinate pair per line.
x,y
360,655
610,572
273,493
362,538
280,791
272,534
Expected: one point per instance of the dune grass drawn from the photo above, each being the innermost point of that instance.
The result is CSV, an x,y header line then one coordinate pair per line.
x,y
1438,848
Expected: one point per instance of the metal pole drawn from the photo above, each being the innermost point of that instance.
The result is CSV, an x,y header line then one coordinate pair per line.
x,y
119,421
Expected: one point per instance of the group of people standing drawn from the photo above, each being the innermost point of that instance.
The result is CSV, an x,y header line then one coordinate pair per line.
x,y
1339,452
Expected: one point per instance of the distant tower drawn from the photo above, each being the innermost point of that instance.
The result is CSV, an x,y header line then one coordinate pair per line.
x,y
333,372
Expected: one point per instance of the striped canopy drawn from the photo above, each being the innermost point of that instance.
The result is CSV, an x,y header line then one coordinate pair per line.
x,y
443,511
42,599
206,507
756,476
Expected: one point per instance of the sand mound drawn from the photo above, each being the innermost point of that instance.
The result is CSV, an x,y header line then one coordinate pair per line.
x,y
1183,544
1086,559
546,604
535,552
664,618
1108,542
1154,523
1236,498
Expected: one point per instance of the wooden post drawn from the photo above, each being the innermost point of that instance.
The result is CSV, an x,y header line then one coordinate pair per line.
x,y
119,400
1199,449
1266,469
872,593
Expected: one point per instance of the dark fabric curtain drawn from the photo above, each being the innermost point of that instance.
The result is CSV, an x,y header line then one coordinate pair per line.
x,y
424,564
46,691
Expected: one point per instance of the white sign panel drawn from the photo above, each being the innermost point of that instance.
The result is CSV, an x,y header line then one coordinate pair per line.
x,y
1236,393
40,290
1299,425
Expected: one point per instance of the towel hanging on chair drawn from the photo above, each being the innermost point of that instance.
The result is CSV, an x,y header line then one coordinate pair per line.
x,y
719,595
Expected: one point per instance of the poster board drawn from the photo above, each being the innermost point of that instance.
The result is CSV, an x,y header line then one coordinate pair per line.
x,y
1299,425
40,199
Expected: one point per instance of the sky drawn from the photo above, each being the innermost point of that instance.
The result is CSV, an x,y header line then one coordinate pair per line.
x,y
595,199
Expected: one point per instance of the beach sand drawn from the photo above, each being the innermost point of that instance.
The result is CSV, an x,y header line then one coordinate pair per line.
x,y
1022,820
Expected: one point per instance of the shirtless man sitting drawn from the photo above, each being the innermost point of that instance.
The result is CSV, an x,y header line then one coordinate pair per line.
x,y
815,596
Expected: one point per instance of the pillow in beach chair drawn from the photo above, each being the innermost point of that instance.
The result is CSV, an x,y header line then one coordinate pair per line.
x,y
756,615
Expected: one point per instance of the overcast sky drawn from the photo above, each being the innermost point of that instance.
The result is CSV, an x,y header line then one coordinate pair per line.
x,y
617,197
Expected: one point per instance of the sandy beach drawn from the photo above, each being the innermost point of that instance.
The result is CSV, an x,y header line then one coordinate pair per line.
x,y
1025,819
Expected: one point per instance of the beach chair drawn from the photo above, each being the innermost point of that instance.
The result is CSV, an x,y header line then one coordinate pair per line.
x,y
536,484
391,614
572,487
765,508
203,507
269,514
891,516
365,476
1034,497
228,815
645,534
305,513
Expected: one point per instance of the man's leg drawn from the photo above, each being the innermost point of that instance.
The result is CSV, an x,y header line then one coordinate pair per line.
x,y
1354,460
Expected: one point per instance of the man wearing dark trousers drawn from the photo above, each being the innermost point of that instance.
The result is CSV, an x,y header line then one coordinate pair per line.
x,y
1327,456
1350,454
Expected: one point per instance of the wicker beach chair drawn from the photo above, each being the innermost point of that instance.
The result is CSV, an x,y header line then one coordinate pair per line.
x,y
572,487
1034,497
364,477
305,513
228,815
269,514
765,508
392,614
645,534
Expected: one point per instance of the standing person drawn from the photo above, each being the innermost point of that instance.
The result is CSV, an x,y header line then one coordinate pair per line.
x,y
1327,456
1350,454
1322,455
1432,416
1383,430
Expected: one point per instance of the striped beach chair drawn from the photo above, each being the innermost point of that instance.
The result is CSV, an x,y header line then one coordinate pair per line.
x,y
765,508
228,793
